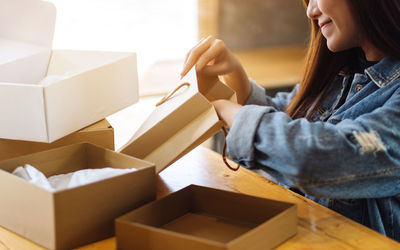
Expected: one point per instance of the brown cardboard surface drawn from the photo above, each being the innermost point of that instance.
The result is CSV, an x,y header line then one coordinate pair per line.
x,y
100,133
208,227
77,216
181,123
205,218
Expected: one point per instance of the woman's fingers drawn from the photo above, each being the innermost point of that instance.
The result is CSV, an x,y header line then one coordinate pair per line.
x,y
195,53
210,55
220,68
188,54
223,62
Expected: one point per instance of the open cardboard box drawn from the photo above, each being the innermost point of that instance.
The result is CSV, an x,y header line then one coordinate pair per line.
x,y
100,133
76,216
82,87
198,218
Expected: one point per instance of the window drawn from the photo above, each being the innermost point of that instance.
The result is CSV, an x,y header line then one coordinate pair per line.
x,y
155,29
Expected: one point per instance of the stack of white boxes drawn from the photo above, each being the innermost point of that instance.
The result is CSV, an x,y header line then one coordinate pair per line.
x,y
48,94
46,98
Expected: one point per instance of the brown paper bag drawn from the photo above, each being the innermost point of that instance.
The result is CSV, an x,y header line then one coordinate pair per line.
x,y
185,119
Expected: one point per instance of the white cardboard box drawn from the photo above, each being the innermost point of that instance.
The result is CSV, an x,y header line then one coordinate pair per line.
x,y
87,86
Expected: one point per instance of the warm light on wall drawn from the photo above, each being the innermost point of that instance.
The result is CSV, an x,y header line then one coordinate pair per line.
x,y
155,29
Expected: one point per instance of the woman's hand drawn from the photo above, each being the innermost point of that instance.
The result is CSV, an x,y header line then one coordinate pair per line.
x,y
226,110
213,58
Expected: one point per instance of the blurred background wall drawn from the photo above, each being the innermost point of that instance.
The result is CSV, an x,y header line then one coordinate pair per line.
x,y
245,24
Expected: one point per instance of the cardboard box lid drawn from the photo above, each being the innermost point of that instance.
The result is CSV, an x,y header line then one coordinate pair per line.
x,y
26,38
181,123
28,21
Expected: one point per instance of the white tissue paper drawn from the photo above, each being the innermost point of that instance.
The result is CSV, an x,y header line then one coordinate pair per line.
x,y
65,181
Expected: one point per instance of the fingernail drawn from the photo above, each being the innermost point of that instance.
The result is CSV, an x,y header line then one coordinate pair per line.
x,y
182,74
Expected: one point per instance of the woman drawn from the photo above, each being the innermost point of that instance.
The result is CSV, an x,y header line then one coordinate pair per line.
x,y
336,136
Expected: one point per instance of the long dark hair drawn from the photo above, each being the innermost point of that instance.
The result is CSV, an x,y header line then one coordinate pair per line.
x,y
380,24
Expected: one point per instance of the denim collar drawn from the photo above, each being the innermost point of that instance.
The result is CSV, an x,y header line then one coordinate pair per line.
x,y
385,71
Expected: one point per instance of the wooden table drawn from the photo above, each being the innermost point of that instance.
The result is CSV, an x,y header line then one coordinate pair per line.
x,y
318,227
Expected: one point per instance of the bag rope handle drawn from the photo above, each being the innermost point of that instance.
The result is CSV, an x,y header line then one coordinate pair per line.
x,y
169,95
165,98
224,152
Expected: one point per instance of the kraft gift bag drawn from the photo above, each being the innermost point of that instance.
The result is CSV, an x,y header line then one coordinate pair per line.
x,y
181,121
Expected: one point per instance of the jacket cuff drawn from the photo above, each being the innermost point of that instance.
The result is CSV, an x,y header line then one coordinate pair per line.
x,y
257,95
240,138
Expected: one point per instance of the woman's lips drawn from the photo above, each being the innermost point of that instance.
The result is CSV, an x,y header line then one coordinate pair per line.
x,y
324,24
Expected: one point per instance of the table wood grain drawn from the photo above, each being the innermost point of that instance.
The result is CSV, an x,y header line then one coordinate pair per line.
x,y
318,227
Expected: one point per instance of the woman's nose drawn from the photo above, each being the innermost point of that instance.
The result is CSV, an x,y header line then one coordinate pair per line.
x,y
313,11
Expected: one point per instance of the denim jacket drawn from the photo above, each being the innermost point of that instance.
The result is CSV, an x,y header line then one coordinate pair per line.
x,y
346,158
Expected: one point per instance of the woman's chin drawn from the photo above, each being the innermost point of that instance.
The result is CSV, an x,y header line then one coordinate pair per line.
x,y
335,48
332,46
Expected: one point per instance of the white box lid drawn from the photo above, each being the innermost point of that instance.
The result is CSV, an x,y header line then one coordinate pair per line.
x,y
28,21
26,37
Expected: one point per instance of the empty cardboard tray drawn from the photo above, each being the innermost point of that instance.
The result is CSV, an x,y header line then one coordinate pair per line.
x,y
76,216
198,218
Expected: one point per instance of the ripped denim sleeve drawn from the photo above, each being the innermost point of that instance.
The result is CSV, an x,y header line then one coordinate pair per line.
x,y
353,158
